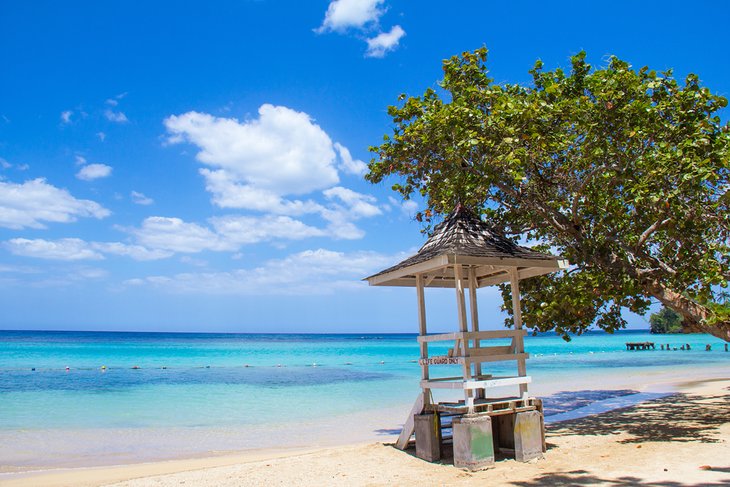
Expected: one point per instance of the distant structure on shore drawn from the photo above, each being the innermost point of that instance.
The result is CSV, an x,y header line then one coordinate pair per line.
x,y
465,253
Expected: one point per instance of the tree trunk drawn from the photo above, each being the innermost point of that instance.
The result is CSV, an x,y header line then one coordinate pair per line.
x,y
694,315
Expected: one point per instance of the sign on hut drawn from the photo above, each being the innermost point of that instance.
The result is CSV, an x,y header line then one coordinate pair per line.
x,y
464,253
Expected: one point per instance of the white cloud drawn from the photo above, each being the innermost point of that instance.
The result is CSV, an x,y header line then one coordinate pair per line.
x,y
359,205
348,164
282,151
247,230
66,116
112,102
5,164
140,199
34,202
101,135
176,235
344,14
310,272
136,252
384,42
80,160
71,249
228,193
63,249
94,171
117,117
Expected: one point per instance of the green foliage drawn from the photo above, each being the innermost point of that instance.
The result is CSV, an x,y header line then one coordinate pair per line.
x,y
666,321
623,172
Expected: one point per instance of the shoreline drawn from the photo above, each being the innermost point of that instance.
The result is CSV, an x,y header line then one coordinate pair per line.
x,y
717,385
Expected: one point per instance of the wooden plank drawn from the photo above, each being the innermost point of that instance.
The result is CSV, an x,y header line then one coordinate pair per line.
x,y
458,383
524,273
409,426
481,335
518,339
458,360
430,265
507,262
422,329
460,302
474,313
461,311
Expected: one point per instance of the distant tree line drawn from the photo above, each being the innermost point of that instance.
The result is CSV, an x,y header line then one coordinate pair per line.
x,y
666,321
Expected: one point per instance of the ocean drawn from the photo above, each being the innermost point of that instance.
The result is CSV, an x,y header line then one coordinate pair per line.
x,y
94,398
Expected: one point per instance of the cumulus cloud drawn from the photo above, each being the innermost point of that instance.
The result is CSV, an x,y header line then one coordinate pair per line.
x,y
384,42
140,199
247,230
229,193
318,271
176,235
94,171
225,233
34,202
262,164
283,151
5,164
63,249
345,14
362,16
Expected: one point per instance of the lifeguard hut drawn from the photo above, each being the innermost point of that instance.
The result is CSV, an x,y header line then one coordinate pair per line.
x,y
465,253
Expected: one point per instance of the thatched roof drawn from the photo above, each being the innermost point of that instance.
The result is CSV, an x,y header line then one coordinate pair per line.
x,y
462,238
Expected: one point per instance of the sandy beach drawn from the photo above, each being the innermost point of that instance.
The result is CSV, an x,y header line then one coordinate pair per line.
x,y
681,439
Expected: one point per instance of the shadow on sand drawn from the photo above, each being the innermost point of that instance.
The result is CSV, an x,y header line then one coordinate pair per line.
x,y
581,478
679,417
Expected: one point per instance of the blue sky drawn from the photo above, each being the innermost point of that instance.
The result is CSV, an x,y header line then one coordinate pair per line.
x,y
196,166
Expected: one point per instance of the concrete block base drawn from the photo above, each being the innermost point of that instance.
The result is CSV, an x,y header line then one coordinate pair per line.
x,y
428,436
528,436
473,442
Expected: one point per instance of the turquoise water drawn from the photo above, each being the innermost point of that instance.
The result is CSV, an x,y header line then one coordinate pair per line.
x,y
163,394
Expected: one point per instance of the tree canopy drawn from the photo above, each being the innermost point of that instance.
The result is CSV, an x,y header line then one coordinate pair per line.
x,y
623,172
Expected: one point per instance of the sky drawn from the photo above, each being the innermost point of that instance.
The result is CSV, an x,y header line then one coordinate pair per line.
x,y
198,166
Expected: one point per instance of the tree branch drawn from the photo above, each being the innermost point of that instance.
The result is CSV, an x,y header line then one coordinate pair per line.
x,y
653,228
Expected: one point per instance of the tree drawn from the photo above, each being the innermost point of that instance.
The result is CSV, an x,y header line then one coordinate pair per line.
x,y
665,321
624,173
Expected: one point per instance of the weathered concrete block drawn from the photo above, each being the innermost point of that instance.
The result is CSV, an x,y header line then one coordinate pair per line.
x,y
473,442
528,436
428,436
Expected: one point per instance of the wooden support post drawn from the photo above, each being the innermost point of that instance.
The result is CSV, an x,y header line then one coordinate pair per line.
x,y
422,332
410,424
518,340
475,320
461,312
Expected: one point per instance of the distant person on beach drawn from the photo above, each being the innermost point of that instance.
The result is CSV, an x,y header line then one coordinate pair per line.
x,y
726,347
708,348
688,347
